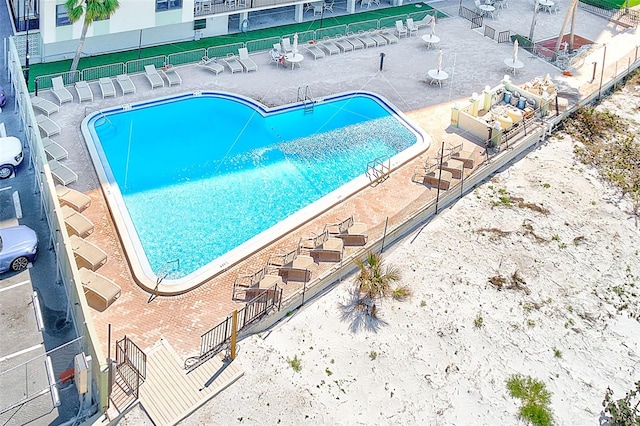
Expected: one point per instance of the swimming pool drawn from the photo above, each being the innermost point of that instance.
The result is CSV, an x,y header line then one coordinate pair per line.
x,y
202,179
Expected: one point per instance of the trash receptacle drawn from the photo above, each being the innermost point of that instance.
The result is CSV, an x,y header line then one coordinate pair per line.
x,y
507,97
522,102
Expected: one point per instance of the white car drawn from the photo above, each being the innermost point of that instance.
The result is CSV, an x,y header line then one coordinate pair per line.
x,y
10,155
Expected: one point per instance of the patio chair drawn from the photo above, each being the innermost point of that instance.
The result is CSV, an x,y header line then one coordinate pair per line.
x,y
211,64
84,91
318,8
343,44
54,150
106,87
87,254
59,91
61,173
389,36
76,223
100,291
254,284
315,51
292,266
377,37
247,63
328,7
231,61
72,198
352,233
401,29
171,75
323,247
286,45
152,75
411,27
329,46
125,83
43,105
47,125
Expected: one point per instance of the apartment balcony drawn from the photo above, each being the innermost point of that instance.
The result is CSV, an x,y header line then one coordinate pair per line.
x,y
214,7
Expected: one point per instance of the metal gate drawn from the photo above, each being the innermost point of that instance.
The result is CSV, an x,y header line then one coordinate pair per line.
x,y
131,365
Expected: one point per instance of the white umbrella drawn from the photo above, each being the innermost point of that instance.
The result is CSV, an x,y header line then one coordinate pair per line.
x,y
433,25
439,66
515,51
295,43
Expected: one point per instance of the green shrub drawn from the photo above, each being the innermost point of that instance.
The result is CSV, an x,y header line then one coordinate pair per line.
x,y
534,397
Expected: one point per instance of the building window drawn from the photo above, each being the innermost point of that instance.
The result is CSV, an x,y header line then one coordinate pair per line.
x,y
62,16
168,5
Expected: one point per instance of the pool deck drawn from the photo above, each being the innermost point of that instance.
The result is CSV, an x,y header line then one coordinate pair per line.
x,y
472,61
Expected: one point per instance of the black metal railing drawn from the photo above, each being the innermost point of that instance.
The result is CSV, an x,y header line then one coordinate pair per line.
x,y
504,36
489,32
131,364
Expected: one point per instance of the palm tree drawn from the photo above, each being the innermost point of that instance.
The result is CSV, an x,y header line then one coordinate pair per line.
x,y
92,10
374,280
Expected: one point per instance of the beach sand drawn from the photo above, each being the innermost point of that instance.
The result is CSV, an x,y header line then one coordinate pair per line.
x,y
427,360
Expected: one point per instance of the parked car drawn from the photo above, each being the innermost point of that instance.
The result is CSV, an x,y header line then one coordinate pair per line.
x,y
3,97
10,155
18,247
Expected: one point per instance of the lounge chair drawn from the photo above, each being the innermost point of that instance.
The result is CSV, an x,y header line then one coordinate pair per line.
x,y
59,91
211,64
458,153
106,87
286,45
432,176
47,125
377,37
247,63
328,45
389,36
61,173
154,78
352,233
366,40
343,44
43,105
76,223
424,22
72,198
256,283
125,83
292,266
315,51
355,41
84,91
98,287
401,29
232,62
54,150
172,76
323,247
87,254
411,27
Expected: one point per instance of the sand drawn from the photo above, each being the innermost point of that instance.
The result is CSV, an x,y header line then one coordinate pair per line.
x,y
574,324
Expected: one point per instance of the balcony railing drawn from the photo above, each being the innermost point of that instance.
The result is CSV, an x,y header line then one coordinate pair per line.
x,y
213,7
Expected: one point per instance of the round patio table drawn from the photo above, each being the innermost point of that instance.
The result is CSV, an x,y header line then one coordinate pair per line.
x,y
293,58
431,40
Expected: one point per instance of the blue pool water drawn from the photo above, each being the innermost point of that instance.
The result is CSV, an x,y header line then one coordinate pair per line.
x,y
200,175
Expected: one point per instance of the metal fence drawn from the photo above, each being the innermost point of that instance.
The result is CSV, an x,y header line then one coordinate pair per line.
x,y
613,11
38,376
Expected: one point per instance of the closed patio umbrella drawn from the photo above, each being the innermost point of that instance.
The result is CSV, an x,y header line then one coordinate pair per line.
x,y
295,43
515,51
433,25
439,60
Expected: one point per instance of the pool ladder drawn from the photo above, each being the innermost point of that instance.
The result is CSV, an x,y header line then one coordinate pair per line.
x,y
305,96
100,113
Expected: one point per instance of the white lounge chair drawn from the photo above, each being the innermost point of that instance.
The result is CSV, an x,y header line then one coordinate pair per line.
x,y
411,27
172,76
232,62
355,41
76,223
106,87
328,45
286,45
43,105
154,78
377,37
211,65
389,36
98,287
315,51
84,91
125,83
72,198
247,63
401,29
59,91
61,173
365,39
47,125
54,150
87,254
424,22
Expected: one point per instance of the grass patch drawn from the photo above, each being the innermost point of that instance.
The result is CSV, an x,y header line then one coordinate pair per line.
x,y
534,398
295,363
